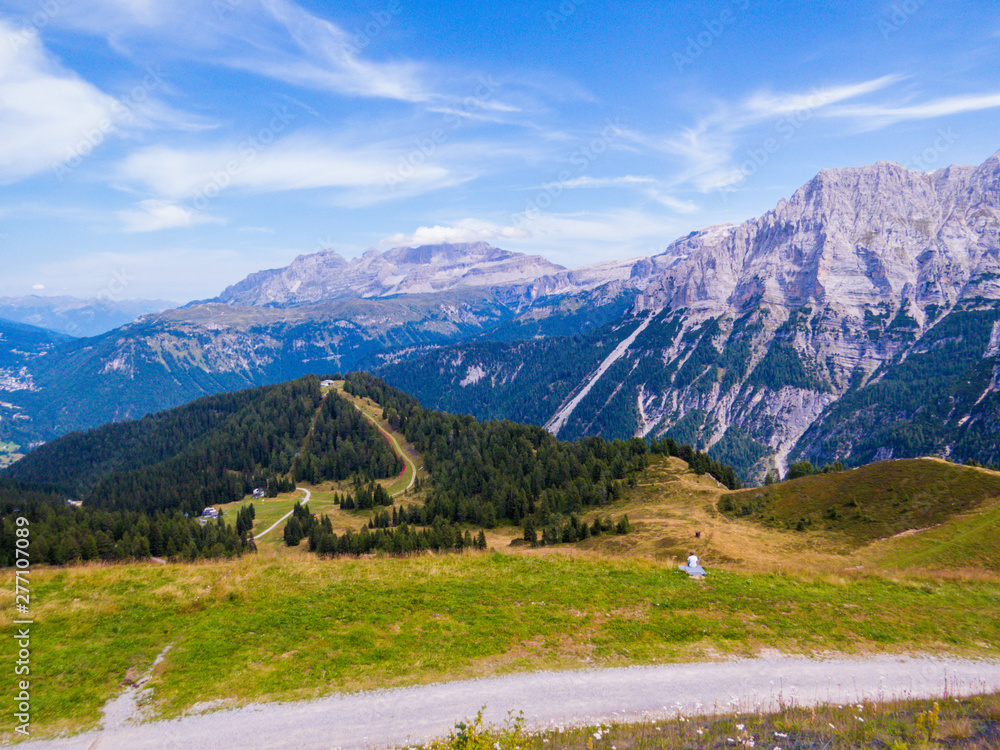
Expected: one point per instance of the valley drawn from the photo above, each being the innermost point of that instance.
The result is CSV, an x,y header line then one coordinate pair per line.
x,y
857,320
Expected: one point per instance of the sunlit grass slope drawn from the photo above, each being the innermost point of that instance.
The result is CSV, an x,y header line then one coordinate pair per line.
x,y
291,626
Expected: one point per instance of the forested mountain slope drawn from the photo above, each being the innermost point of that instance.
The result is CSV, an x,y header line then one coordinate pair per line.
x,y
214,450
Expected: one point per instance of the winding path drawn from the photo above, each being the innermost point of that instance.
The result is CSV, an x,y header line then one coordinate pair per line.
x,y
396,447
402,454
407,716
273,526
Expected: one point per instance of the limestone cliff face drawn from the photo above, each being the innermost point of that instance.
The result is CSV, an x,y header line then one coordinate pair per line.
x,y
822,294
850,239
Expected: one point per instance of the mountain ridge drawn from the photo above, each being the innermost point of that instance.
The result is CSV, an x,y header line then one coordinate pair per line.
x,y
762,341
763,327
425,269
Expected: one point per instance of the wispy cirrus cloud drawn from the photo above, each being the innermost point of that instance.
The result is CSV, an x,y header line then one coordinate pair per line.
x,y
297,162
878,116
649,187
317,53
707,150
274,38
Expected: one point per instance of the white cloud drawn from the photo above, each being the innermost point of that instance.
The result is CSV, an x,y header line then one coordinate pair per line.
x,y
48,115
293,163
154,215
467,230
316,53
874,117
647,186
273,38
569,239
766,105
708,148
607,182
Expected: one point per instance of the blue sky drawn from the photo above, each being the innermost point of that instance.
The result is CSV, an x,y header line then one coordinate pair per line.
x,y
167,148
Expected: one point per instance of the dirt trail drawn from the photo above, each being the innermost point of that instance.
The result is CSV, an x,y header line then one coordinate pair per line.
x,y
285,517
406,716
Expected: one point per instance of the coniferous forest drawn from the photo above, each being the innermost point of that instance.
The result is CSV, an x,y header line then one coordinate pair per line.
x,y
214,450
142,483
61,533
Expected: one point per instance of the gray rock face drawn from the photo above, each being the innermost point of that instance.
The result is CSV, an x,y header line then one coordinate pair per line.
x,y
846,278
427,269
850,239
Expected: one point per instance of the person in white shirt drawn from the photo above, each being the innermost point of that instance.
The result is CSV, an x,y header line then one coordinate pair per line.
x,y
692,568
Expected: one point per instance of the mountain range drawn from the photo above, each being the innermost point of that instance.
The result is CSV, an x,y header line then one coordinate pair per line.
x,y
77,317
857,320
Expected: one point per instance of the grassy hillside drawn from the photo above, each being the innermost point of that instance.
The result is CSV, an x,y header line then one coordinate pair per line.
x,y
871,502
282,624
969,540
276,626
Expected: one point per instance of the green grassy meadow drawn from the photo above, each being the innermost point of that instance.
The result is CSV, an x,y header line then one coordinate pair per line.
x,y
281,627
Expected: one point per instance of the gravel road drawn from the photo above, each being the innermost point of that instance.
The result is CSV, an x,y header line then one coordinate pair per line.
x,y
398,717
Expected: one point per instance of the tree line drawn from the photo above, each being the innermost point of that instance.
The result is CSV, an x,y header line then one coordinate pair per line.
x,y
60,533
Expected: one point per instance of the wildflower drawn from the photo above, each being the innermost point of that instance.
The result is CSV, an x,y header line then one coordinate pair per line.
x,y
701,731
740,727
598,735
830,725
781,735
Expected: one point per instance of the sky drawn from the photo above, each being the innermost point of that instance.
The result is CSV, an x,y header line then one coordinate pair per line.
x,y
164,149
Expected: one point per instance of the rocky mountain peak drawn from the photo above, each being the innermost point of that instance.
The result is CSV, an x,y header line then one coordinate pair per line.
x,y
852,239
326,275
